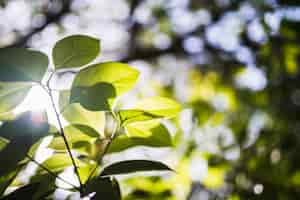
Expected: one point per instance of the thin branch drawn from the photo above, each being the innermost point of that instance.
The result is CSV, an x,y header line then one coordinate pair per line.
x,y
65,139
50,172
110,139
101,157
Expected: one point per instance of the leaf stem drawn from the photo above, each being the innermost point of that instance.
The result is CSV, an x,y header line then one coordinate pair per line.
x,y
101,158
62,133
110,139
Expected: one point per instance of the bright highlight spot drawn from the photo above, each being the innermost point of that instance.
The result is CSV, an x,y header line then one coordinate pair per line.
x,y
215,178
36,100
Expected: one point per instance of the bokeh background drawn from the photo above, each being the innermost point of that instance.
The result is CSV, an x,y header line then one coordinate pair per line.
x,y
234,65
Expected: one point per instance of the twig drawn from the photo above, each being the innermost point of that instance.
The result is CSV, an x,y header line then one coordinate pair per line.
x,y
101,157
62,133
50,172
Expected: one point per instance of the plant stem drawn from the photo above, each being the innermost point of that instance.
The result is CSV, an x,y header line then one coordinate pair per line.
x,y
65,138
101,157
50,172
110,139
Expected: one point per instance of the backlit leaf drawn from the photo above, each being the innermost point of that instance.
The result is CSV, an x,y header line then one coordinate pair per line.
x,y
96,86
150,133
75,51
12,94
19,64
76,114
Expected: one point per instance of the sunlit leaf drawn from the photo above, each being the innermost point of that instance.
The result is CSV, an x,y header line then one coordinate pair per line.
x,y
12,94
85,171
7,116
144,129
159,106
18,64
131,166
150,133
128,116
96,86
76,114
58,162
75,51
215,177
79,137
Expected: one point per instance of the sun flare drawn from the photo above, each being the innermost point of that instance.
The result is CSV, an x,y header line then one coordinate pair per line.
x,y
36,100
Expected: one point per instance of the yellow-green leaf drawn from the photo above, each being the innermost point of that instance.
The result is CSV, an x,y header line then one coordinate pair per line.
x,y
96,86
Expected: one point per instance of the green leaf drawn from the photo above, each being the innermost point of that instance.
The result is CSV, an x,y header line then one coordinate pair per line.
x,y
149,133
85,171
159,106
94,98
96,86
12,94
24,192
149,109
46,185
22,133
144,129
58,162
7,116
3,143
8,178
131,166
76,136
75,51
129,116
19,64
76,114
105,188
